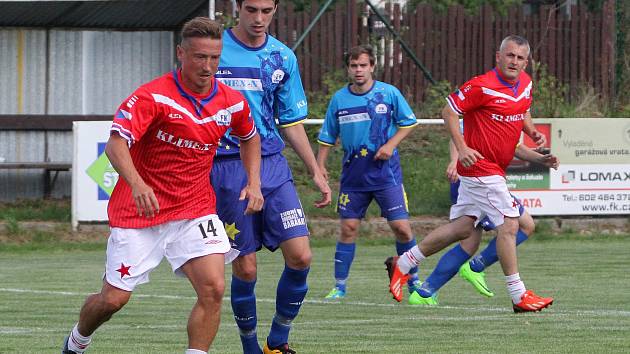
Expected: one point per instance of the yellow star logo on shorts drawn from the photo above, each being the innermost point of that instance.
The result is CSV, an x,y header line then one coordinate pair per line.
x,y
231,230
364,152
343,199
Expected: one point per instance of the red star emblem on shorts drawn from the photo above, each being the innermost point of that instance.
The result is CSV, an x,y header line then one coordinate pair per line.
x,y
123,270
514,203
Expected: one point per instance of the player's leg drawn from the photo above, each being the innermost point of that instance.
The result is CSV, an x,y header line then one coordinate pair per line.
x,y
344,255
198,249
351,207
228,179
206,274
446,268
131,255
434,242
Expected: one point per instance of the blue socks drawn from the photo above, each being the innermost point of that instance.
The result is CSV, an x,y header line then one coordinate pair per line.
x,y
413,272
344,254
290,294
489,256
447,267
243,301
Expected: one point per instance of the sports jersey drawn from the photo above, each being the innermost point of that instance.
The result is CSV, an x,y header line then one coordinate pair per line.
x,y
269,78
493,111
365,122
173,135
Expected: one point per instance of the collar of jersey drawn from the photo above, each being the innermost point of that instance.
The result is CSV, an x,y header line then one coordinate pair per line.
x,y
198,104
364,93
513,88
245,46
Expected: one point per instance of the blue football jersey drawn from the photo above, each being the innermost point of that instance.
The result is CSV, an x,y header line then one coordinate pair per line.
x,y
269,78
364,123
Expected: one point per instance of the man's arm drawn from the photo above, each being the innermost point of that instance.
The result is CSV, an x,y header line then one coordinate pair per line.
x,y
467,156
451,169
296,136
530,129
531,155
322,157
117,151
386,150
250,155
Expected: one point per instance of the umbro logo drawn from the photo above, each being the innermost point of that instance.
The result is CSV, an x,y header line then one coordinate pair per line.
x,y
500,100
175,116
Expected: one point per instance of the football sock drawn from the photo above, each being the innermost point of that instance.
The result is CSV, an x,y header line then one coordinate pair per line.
x,y
489,256
410,259
515,287
290,294
402,248
77,342
344,254
243,300
195,351
447,267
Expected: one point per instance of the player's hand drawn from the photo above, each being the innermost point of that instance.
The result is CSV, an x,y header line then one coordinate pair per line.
x,y
538,138
468,156
324,172
254,198
322,184
549,160
145,199
385,152
451,172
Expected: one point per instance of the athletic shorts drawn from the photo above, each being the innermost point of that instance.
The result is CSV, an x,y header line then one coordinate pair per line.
x,y
482,197
133,253
282,217
392,201
485,223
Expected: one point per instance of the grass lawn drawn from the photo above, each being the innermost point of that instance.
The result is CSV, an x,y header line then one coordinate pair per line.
x,y
42,289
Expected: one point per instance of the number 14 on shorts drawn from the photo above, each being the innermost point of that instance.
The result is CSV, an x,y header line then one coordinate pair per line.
x,y
208,229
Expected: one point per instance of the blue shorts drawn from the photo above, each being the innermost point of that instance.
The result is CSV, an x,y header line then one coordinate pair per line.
x,y
485,223
282,216
392,201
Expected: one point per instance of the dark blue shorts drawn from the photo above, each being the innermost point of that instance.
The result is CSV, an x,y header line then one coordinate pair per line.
x,y
392,201
282,216
485,223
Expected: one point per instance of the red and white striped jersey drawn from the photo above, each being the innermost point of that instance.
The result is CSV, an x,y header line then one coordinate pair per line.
x,y
493,111
173,135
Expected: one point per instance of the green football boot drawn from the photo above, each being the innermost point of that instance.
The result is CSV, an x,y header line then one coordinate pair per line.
x,y
335,293
416,299
477,279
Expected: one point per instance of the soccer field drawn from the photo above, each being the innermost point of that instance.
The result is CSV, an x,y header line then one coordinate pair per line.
x,y
41,293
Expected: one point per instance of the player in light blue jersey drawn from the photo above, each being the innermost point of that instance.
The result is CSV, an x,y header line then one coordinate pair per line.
x,y
370,118
266,72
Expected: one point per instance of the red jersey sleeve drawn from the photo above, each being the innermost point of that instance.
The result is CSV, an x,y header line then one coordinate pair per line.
x,y
242,123
134,116
465,99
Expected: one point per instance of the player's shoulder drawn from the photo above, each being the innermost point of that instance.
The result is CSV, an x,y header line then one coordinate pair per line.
x,y
524,78
274,44
386,87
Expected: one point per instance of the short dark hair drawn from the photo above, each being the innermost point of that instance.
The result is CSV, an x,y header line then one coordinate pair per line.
x,y
240,2
201,27
518,40
355,52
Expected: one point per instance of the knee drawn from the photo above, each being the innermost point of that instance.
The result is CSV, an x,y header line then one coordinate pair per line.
x,y
402,232
528,226
301,260
212,293
244,268
112,304
349,232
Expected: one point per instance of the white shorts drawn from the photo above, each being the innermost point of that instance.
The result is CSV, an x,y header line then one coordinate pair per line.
x,y
484,196
133,253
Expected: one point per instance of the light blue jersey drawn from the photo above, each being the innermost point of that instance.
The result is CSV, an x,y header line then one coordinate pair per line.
x,y
364,123
269,78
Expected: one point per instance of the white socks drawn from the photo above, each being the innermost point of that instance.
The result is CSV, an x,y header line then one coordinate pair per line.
x,y
515,287
78,343
410,259
195,351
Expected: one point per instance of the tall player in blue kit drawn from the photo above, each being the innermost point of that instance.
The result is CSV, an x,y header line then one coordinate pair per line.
x,y
370,118
266,72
